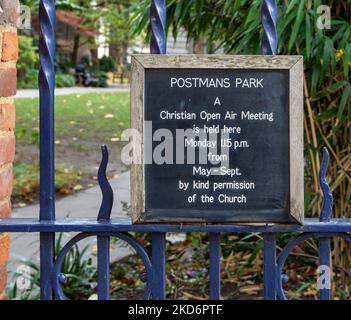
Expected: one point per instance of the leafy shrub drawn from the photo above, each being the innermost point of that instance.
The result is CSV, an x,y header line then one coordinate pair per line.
x,y
101,78
77,266
30,80
107,64
62,62
28,63
65,80
26,176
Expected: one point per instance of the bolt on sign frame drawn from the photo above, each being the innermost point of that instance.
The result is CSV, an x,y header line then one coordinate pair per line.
x,y
51,277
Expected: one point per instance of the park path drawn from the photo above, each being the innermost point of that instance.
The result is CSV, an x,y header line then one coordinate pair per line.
x,y
84,204
34,93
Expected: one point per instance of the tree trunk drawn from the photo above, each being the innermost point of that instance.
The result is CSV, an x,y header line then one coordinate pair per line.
x,y
75,48
94,57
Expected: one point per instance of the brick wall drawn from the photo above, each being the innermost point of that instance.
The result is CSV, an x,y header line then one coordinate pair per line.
x,y
8,80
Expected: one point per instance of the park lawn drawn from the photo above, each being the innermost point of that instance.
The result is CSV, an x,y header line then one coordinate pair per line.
x,y
83,123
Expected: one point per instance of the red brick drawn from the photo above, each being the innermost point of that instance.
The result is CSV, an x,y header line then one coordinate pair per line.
x,y
8,81
5,209
9,46
7,148
7,117
6,182
3,280
4,248
10,12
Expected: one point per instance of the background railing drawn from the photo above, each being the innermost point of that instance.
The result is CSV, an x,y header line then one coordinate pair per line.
x,y
104,227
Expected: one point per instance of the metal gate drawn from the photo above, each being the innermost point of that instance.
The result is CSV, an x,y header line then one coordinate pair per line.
x,y
103,227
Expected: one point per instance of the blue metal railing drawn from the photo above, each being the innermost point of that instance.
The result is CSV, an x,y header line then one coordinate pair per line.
x,y
104,227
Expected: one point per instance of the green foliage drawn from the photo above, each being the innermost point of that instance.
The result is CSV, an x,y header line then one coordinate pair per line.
x,y
30,81
85,121
26,178
65,80
63,62
107,64
102,76
28,63
77,266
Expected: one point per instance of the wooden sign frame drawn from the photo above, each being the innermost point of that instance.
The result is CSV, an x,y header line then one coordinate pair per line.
x,y
294,65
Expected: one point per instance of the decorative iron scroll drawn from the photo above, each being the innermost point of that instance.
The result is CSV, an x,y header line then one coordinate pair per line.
x,y
289,248
58,278
107,192
327,205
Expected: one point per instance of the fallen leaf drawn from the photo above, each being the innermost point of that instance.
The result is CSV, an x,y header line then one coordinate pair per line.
x,y
64,190
78,187
108,116
193,297
251,289
310,292
93,297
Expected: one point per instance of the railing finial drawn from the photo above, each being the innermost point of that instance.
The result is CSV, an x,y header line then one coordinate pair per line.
x,y
327,205
158,17
107,192
269,13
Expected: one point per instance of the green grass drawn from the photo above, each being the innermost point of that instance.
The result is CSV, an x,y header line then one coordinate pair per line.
x,y
82,123
95,116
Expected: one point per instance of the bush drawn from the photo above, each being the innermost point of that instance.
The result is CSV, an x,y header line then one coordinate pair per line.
x,y
28,64
107,64
65,80
30,80
63,63
101,78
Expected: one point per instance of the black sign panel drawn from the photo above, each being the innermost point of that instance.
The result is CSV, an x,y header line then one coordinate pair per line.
x,y
216,144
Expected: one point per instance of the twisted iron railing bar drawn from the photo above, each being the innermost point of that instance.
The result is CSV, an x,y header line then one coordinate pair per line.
x,y
269,13
47,146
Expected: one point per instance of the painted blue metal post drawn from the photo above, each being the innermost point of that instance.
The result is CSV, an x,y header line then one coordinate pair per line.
x,y
158,45
324,242
269,266
158,286
215,266
269,13
324,268
47,152
103,246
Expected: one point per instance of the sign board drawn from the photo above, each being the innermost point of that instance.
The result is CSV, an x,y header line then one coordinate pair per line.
x,y
221,139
